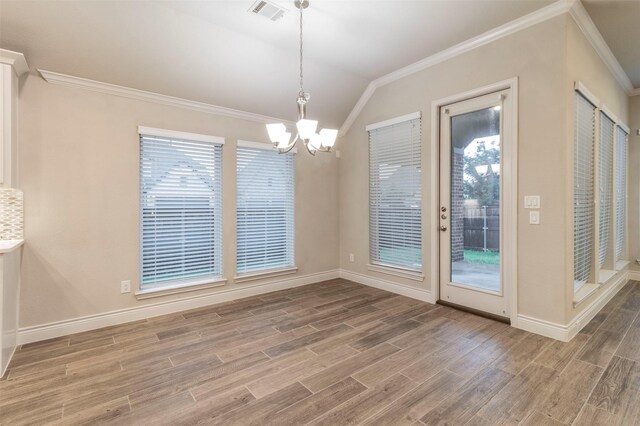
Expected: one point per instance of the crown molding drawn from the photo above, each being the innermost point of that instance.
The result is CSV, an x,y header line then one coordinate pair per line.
x,y
573,7
142,95
15,59
541,15
589,29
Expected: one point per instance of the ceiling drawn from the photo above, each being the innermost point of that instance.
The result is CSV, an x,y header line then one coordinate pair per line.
x,y
218,53
619,23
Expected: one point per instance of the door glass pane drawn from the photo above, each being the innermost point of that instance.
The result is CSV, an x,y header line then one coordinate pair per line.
x,y
475,199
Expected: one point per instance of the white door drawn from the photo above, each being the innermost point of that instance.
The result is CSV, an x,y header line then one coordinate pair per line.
x,y
472,145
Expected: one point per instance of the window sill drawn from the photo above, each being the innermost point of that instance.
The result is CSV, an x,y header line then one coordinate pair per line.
x,y
583,292
621,264
180,288
243,278
397,272
605,275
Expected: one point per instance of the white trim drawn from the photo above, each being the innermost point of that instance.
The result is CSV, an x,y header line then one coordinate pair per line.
x,y
624,127
180,287
92,322
635,92
589,29
617,121
634,275
621,264
7,246
582,88
397,272
511,211
606,293
567,332
401,289
583,292
542,327
261,145
604,275
142,95
174,134
264,274
15,59
555,9
392,121
603,108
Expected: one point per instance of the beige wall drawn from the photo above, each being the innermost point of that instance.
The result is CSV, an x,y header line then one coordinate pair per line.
x,y
584,65
537,57
79,172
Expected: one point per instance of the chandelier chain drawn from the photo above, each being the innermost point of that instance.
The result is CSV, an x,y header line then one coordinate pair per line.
x,y
301,42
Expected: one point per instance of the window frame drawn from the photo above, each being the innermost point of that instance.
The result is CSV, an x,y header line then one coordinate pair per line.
x,y
601,275
375,264
189,283
289,267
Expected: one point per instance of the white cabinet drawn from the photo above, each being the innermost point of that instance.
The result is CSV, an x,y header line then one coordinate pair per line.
x,y
10,256
12,66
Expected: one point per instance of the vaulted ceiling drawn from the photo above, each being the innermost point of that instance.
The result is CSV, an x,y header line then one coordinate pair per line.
x,y
619,23
219,53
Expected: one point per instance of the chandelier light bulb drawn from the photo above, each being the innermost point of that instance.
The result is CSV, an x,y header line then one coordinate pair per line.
x,y
328,137
306,128
284,139
276,131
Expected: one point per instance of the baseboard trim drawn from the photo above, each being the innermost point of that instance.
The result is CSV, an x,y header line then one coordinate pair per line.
x,y
403,290
567,332
606,294
542,327
634,275
93,322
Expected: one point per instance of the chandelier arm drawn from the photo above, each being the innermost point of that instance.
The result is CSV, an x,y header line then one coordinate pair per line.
x,y
311,150
289,147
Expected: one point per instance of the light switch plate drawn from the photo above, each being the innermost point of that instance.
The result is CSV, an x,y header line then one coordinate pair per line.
x,y
534,217
531,201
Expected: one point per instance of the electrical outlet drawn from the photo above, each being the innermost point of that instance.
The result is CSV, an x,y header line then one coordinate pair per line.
x,y
125,286
534,217
352,258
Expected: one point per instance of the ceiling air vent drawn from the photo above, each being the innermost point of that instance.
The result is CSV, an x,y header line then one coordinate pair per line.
x,y
268,10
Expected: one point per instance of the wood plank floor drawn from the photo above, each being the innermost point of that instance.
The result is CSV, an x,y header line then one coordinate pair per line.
x,y
331,353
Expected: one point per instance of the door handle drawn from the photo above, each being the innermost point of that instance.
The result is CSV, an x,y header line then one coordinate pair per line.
x,y
443,228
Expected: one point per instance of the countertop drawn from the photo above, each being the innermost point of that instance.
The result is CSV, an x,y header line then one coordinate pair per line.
x,y
7,246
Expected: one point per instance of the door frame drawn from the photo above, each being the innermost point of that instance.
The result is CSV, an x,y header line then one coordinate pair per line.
x,y
510,194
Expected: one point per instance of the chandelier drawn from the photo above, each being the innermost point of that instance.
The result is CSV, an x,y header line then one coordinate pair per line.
x,y
314,141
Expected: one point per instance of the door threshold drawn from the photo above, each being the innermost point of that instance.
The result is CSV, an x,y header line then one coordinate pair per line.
x,y
475,312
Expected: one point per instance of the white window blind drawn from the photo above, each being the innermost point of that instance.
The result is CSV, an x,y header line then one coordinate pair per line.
x,y
395,195
621,190
180,210
265,210
583,188
605,180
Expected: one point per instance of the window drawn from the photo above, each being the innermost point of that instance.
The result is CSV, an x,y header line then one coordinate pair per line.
x,y
605,181
621,190
180,208
583,185
395,193
265,209
607,223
